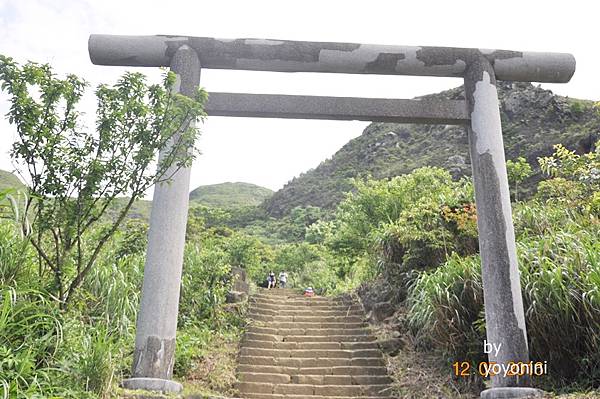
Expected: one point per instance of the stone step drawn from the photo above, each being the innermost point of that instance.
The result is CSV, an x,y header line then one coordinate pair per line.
x,y
303,310
278,378
280,291
311,390
299,347
307,331
336,370
248,343
302,305
313,319
310,362
285,301
262,336
308,325
301,300
308,353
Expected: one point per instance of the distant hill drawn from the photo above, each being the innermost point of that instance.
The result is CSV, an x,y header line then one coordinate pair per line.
x,y
9,180
533,119
224,195
228,195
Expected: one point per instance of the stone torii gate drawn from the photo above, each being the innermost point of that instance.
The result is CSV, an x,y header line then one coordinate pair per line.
x,y
480,68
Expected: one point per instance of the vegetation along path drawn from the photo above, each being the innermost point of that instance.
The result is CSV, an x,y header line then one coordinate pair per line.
x,y
298,347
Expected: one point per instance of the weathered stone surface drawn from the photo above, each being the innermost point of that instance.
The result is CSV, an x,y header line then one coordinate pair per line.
x,y
381,311
511,393
235,297
391,346
295,56
451,112
505,320
240,280
157,320
152,384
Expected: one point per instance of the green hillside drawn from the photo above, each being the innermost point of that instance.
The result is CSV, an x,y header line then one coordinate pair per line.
x,y
224,195
9,180
533,120
228,195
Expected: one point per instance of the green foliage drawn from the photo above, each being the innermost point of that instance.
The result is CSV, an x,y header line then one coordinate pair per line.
x,y
201,218
190,346
205,283
446,308
409,222
558,254
207,358
133,238
578,107
518,171
93,366
560,274
575,179
76,175
565,163
30,334
15,253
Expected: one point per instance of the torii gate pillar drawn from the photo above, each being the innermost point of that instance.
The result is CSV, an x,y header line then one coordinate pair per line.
x,y
154,354
504,317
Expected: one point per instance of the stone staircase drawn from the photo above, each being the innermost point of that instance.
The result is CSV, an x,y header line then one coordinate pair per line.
x,y
298,347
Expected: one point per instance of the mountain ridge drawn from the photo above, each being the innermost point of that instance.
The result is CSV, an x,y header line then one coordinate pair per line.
x,y
533,119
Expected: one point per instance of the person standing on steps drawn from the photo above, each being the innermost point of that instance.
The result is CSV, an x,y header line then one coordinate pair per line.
x,y
283,276
271,280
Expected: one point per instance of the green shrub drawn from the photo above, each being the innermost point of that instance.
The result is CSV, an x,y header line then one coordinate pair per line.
x,y
205,282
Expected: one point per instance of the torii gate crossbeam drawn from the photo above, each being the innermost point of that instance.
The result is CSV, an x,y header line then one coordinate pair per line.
x,y
505,321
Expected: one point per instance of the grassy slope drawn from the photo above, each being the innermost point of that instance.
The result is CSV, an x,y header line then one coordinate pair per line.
x,y
9,180
533,120
226,195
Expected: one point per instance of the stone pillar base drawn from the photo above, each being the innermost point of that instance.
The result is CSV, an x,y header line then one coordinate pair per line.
x,y
511,392
152,384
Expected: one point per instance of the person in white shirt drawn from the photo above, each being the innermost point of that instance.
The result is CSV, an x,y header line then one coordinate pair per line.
x,y
283,279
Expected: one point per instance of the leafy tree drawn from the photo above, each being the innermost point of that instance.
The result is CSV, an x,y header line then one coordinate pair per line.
x,y
567,164
576,178
74,174
518,171
201,217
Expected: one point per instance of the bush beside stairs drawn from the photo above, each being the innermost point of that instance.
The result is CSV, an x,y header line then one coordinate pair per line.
x,y
302,347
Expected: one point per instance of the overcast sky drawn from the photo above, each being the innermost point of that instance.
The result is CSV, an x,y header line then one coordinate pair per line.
x,y
269,152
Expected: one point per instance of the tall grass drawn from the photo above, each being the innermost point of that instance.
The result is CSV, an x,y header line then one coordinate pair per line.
x,y
560,278
30,335
446,308
561,291
112,291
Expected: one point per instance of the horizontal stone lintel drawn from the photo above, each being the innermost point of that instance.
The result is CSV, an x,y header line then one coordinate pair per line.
x,y
427,110
328,57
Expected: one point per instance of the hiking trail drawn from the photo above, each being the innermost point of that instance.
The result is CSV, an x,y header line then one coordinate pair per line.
x,y
299,347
